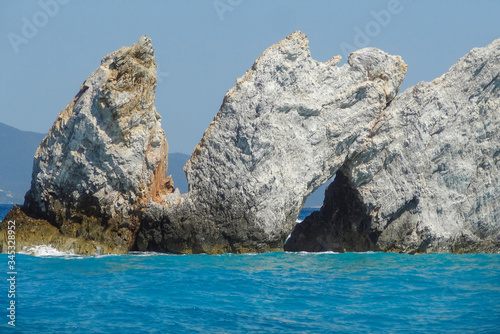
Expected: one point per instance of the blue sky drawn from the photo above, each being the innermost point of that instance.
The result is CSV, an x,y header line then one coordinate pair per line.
x,y
49,47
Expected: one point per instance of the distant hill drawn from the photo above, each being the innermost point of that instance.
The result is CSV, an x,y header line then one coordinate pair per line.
x,y
17,149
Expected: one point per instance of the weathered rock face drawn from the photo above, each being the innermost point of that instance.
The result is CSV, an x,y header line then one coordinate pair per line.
x,y
414,173
284,129
103,159
428,180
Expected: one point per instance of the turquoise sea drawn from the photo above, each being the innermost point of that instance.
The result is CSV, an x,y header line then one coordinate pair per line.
x,y
254,293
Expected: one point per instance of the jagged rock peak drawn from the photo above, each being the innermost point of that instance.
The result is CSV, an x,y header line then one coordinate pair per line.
x,y
378,66
105,157
143,51
293,47
284,129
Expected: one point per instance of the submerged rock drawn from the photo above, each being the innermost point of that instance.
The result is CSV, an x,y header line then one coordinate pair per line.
x,y
103,159
283,130
427,180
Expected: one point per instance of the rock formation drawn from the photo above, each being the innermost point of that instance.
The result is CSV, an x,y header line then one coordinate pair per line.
x,y
284,129
103,159
414,173
428,178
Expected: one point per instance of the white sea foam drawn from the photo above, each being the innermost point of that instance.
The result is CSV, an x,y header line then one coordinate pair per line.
x,y
304,253
136,253
45,251
327,252
251,254
50,251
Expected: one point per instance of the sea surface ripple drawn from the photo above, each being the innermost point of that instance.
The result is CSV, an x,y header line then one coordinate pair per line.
x,y
255,293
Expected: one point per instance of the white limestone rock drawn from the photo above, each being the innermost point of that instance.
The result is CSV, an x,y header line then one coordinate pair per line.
x,y
416,172
284,129
105,156
428,179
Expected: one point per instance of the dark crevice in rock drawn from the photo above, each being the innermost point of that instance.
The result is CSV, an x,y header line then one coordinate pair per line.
x,y
409,206
342,224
